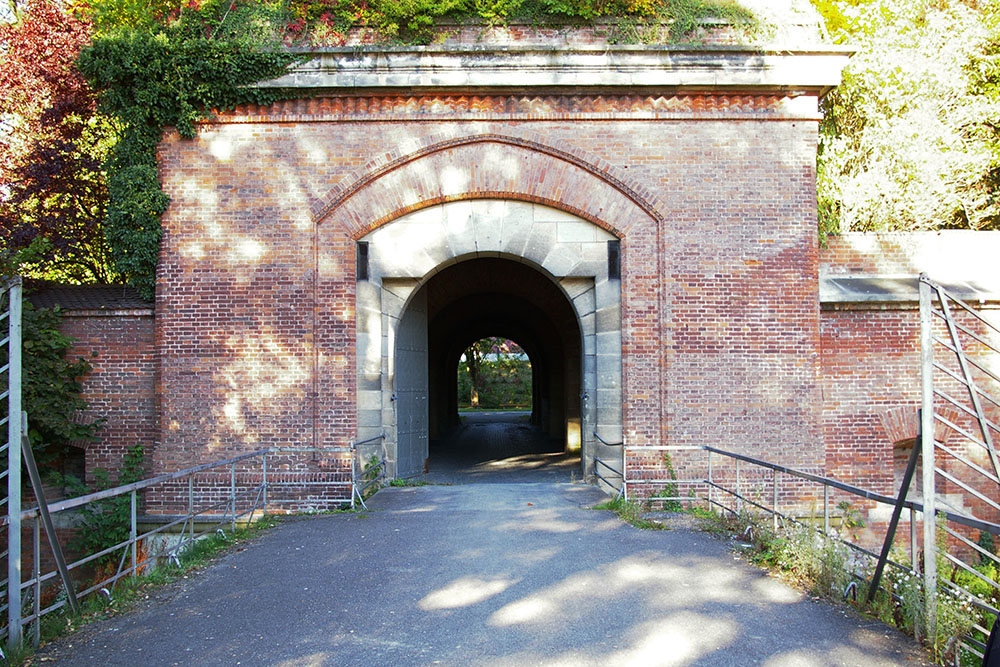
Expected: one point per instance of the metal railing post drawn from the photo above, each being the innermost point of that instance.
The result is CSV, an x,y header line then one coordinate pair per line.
x,y
232,495
14,466
826,510
913,540
134,534
927,452
710,482
774,499
36,574
264,479
624,472
191,505
354,476
739,496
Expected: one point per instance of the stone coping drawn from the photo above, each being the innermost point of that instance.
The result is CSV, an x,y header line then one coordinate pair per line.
x,y
896,289
482,67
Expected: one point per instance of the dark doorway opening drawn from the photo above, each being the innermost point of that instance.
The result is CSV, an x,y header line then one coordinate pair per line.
x,y
507,299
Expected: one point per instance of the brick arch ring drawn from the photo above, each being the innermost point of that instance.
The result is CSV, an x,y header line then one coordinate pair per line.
x,y
492,164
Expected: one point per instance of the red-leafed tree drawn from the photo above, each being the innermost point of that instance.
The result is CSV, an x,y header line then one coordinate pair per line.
x,y
52,146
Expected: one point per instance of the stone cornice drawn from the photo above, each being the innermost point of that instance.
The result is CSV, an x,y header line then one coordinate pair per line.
x,y
474,68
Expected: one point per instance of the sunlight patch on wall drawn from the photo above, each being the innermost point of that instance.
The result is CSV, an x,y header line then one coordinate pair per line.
x,y
249,250
221,149
454,180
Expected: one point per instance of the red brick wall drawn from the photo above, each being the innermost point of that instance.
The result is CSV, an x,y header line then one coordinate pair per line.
x,y
120,388
870,364
714,197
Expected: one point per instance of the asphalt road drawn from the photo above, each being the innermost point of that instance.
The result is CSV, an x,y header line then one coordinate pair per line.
x,y
483,574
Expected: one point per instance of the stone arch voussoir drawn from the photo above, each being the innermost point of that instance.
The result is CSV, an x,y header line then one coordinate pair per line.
x,y
493,164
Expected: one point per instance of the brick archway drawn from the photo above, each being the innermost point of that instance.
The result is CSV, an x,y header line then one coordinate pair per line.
x,y
503,167
371,188
561,250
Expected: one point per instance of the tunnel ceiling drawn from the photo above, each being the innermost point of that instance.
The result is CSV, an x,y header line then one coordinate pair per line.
x,y
499,297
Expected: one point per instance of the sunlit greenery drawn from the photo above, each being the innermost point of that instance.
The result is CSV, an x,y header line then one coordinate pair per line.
x,y
494,373
909,140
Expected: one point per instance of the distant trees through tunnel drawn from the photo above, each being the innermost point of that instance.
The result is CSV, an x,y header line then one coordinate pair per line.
x,y
494,373
506,302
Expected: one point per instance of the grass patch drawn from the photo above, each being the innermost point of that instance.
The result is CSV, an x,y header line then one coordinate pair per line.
x,y
130,592
825,567
630,513
409,482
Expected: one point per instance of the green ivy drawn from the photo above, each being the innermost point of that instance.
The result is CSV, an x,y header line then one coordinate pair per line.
x,y
328,22
170,76
174,68
50,389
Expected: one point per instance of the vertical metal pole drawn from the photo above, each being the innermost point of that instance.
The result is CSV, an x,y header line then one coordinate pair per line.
x,y
774,499
232,495
134,534
191,504
14,467
354,477
264,480
739,501
913,540
36,572
826,509
624,471
710,482
927,453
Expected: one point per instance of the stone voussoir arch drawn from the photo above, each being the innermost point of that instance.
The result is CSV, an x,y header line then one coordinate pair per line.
x,y
423,172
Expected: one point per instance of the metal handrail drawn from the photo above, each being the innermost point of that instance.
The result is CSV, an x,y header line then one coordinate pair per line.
x,y
70,503
962,519
606,443
622,492
232,508
380,436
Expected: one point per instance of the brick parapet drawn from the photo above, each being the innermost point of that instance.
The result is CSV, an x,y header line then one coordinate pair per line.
x,y
119,389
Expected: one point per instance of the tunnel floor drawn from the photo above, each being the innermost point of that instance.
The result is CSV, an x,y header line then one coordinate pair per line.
x,y
498,447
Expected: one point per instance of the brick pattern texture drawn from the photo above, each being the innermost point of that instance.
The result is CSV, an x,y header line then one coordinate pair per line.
x,y
119,388
255,311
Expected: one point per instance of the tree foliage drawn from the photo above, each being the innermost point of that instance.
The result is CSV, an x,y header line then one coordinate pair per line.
x,y
52,146
170,73
494,373
909,140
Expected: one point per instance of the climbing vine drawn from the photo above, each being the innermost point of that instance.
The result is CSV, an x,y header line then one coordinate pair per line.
x,y
159,64
332,22
170,75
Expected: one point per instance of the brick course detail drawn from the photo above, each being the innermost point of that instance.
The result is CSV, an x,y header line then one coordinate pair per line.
x,y
255,309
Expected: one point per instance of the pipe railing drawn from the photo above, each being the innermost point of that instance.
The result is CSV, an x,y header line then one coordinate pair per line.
x,y
744,500
371,475
599,463
214,496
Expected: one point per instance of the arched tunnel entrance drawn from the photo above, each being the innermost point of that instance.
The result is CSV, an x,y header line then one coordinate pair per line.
x,y
495,296
436,280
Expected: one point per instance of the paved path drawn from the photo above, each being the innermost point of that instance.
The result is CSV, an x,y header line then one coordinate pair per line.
x,y
499,447
483,574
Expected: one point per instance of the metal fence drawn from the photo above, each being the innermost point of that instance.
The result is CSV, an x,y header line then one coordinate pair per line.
x,y
10,451
960,399
959,484
167,514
